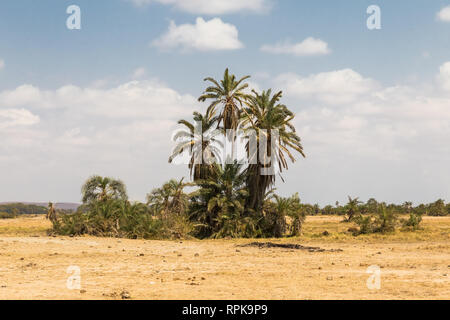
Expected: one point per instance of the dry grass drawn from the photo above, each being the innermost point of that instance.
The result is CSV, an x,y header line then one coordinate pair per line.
x,y
415,265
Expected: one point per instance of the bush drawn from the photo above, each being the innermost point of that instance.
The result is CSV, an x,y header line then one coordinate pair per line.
x,y
413,222
437,209
119,218
366,225
7,215
383,222
274,222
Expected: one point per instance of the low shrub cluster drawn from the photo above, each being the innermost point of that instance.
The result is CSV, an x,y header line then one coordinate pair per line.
x,y
7,215
384,221
120,218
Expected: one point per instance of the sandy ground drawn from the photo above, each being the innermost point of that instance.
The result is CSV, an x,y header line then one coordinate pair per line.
x,y
413,265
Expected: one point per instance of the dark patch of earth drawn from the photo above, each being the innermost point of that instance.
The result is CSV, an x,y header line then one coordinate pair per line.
x,y
263,245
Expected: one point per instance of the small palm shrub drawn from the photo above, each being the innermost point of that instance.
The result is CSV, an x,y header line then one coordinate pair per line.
x,y
118,218
273,221
352,209
384,221
413,222
365,224
276,213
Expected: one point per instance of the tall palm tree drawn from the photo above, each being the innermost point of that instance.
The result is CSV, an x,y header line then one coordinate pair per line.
x,y
200,139
229,95
265,116
101,189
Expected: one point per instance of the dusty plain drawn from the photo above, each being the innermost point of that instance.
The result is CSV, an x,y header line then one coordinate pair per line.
x,y
414,265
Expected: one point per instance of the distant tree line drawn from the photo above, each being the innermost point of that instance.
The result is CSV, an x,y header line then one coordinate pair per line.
x,y
14,210
21,208
354,206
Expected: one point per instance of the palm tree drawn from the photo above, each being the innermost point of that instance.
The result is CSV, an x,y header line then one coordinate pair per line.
x,y
385,220
281,208
102,189
352,208
201,141
407,207
170,198
218,204
265,116
230,95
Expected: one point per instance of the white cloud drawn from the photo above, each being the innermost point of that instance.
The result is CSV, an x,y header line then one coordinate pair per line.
x,y
213,7
204,35
444,14
444,76
333,87
387,142
361,138
343,111
131,99
17,117
72,132
308,47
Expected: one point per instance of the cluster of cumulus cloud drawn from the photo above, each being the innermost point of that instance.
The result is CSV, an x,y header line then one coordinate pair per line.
x,y
340,115
347,121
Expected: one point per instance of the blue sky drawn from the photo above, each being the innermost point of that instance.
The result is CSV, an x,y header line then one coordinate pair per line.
x,y
115,39
372,110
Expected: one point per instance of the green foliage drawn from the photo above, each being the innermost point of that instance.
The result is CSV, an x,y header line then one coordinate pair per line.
x,y
229,96
413,221
276,212
352,209
169,199
365,223
265,115
217,206
204,151
384,221
99,188
118,218
163,218
437,208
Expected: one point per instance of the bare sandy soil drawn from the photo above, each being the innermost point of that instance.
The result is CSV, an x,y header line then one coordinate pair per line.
x,y
413,265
